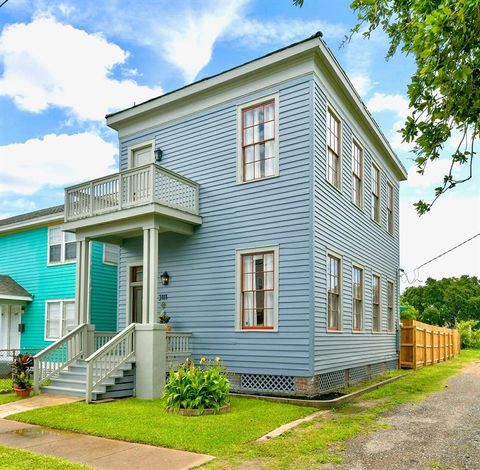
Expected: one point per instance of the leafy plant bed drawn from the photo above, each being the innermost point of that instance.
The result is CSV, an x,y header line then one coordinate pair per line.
x,y
196,412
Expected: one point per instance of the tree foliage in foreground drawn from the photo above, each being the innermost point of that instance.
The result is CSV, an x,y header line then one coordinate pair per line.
x,y
443,37
445,301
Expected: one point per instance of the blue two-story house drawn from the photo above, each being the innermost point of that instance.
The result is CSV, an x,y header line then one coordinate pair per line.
x,y
259,209
38,278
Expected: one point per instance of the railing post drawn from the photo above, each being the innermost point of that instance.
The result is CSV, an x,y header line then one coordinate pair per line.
x,y
120,191
152,182
91,198
89,340
36,376
89,383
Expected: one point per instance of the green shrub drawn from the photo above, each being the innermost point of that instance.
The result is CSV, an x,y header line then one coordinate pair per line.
x,y
199,387
410,313
469,333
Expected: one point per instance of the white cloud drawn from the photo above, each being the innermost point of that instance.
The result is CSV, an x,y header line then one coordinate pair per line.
x,y
54,161
47,63
11,207
453,219
255,33
362,83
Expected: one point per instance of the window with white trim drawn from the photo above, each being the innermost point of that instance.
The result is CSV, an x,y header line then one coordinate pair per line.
x,y
389,207
376,320
59,318
62,246
333,149
334,287
257,285
357,295
111,253
357,174
375,193
390,306
259,145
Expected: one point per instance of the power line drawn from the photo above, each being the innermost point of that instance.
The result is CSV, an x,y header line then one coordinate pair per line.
x,y
3,3
416,270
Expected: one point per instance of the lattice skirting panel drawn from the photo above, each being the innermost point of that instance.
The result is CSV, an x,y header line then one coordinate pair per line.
x,y
262,383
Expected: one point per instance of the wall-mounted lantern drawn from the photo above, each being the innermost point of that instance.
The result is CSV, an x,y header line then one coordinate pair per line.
x,y
165,278
158,155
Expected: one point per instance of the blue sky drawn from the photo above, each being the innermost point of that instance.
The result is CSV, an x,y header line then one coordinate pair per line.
x,y
65,64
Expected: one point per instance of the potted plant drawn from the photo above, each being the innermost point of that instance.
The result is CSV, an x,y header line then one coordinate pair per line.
x,y
22,375
164,318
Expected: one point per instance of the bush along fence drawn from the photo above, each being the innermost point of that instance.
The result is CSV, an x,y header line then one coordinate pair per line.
x,y
423,345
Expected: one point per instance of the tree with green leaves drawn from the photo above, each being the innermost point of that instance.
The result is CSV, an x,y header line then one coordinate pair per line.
x,y
443,37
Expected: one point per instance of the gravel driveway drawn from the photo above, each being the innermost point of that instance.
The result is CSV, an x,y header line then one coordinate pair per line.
x,y
441,432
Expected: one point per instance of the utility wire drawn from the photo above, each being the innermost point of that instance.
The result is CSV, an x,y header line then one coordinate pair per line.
x,y
416,270
3,3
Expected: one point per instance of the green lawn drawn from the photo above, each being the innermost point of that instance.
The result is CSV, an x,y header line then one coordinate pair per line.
x,y
5,384
24,460
231,437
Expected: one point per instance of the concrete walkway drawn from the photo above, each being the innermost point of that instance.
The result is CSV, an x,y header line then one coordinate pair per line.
x,y
96,452
38,401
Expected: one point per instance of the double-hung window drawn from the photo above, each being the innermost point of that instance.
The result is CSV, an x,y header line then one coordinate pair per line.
x,y
375,193
111,253
258,288
390,306
59,318
389,208
259,149
334,277
357,294
62,247
333,150
357,174
376,320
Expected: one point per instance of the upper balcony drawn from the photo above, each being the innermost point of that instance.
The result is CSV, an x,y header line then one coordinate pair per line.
x,y
148,189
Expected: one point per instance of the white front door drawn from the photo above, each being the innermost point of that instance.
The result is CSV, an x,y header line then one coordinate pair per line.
x,y
9,320
142,156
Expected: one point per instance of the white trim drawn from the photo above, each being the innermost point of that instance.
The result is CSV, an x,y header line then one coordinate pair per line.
x,y
15,297
62,248
357,142
51,301
141,145
362,267
238,286
240,108
331,110
380,303
37,221
335,254
128,306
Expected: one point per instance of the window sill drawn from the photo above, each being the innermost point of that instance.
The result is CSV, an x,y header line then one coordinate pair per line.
x,y
239,181
358,332
61,263
257,330
334,331
339,190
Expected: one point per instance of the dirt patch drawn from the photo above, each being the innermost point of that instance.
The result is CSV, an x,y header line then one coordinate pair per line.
x,y
442,432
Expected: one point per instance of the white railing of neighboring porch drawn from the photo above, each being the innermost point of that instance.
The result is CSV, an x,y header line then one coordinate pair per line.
x,y
130,188
178,348
59,355
109,358
102,338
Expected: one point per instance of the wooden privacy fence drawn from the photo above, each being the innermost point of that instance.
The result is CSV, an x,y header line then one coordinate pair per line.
x,y
422,344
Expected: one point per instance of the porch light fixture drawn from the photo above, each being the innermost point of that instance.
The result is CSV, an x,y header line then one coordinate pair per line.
x,y
158,155
165,278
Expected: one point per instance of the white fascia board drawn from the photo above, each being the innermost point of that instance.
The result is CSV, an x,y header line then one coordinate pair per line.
x,y
15,297
38,221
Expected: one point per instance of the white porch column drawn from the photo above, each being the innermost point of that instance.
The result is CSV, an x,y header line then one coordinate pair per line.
x,y
150,274
82,289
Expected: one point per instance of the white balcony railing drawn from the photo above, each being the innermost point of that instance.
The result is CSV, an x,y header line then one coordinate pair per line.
x,y
131,188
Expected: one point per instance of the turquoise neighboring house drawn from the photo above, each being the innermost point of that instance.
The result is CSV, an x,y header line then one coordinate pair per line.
x,y
38,278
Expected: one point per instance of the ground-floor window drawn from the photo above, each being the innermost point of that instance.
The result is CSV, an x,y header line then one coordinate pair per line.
x,y
59,318
334,279
390,304
257,287
357,294
376,303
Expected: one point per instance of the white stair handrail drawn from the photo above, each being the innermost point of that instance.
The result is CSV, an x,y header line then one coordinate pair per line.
x,y
109,358
59,355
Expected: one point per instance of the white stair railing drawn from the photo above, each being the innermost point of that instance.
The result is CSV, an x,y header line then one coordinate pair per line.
x,y
102,338
109,358
59,355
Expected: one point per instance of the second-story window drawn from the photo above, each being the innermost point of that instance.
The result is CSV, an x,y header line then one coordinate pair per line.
x,y
334,292
375,193
333,149
376,303
390,208
357,285
259,159
357,174
62,247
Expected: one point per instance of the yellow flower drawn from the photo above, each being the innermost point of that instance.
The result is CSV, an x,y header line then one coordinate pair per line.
x,y
203,360
217,359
